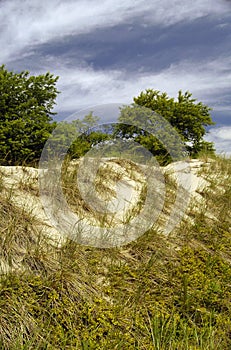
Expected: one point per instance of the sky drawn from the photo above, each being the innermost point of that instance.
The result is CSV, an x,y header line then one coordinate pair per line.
x,y
109,51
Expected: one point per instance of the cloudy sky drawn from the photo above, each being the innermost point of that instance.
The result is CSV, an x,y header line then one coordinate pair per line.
x,y
109,51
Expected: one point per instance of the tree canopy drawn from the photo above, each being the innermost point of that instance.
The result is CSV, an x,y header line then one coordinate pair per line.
x,y
188,117
26,104
75,138
27,101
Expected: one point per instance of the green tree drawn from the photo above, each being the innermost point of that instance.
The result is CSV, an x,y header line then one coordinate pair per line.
x,y
188,118
75,138
26,104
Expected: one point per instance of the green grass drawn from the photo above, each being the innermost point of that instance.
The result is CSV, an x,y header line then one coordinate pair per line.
x,y
158,292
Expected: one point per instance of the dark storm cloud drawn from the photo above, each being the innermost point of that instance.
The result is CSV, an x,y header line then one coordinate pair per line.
x,y
137,47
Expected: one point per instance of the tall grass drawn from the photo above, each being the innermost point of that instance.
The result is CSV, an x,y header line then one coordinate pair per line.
x,y
157,292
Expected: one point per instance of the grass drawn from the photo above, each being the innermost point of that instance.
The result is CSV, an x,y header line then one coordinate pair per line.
x,y
158,292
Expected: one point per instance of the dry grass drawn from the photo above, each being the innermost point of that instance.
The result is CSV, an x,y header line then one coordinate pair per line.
x,y
158,292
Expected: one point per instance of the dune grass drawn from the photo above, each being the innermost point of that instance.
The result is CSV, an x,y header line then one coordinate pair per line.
x,y
158,292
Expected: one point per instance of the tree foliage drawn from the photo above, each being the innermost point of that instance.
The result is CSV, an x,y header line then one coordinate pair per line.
x,y
188,117
75,138
26,104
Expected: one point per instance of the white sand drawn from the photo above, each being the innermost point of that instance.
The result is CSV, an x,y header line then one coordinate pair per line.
x,y
22,182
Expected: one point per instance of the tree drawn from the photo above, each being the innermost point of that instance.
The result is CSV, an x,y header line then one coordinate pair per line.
x,y
26,104
74,138
187,117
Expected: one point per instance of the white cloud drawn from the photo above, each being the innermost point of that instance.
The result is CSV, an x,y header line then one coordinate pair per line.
x,y
222,139
25,24
82,86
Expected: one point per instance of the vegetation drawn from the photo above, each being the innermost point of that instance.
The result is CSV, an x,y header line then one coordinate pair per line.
x,y
75,138
158,292
26,104
155,293
185,115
